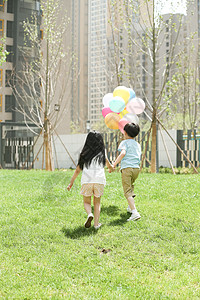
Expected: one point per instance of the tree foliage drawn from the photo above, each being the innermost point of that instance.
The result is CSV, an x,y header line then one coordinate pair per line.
x,y
153,46
41,87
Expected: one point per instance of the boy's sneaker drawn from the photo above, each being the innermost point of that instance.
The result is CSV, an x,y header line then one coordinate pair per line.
x,y
129,210
89,220
134,216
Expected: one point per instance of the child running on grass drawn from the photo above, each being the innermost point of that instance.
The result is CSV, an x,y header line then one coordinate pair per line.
x,y
92,161
130,165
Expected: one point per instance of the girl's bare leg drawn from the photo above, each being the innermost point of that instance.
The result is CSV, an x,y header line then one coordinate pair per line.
x,y
97,209
87,204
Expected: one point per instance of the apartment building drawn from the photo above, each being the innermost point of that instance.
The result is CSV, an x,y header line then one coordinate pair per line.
x,y
93,63
79,13
6,29
12,15
97,52
176,40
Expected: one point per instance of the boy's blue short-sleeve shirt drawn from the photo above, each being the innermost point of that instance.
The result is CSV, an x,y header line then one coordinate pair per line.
x,y
133,154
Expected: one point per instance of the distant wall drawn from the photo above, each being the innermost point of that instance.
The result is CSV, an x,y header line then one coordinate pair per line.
x,y
62,160
75,142
171,147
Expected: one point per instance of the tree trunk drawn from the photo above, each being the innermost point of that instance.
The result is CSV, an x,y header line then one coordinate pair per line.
x,y
153,145
154,113
46,122
47,148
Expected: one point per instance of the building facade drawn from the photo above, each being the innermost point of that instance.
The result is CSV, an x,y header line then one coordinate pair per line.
x,y
12,15
97,65
7,29
175,57
97,53
78,111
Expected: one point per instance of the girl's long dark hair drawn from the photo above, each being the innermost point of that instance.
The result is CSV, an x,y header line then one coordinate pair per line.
x,y
94,147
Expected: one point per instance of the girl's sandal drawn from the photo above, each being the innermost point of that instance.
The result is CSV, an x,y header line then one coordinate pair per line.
x,y
98,226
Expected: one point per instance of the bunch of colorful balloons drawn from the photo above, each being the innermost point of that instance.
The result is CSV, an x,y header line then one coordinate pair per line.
x,y
121,107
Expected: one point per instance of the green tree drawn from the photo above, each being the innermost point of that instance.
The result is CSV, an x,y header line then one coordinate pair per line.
x,y
186,84
43,84
3,52
149,59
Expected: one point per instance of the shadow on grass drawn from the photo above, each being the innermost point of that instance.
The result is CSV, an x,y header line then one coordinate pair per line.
x,y
111,210
78,232
121,221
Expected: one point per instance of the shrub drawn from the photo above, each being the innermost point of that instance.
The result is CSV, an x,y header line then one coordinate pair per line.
x,y
179,170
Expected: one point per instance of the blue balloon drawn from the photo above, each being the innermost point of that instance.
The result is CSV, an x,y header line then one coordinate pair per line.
x,y
117,104
132,94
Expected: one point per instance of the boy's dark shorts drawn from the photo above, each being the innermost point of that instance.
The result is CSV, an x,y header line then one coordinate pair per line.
x,y
129,175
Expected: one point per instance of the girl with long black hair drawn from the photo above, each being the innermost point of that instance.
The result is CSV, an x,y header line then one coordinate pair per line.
x,y
92,161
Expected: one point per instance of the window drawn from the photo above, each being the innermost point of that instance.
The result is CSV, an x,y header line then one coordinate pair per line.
x,y
10,6
9,57
8,78
29,4
9,32
8,155
41,34
0,103
1,77
9,103
2,5
1,27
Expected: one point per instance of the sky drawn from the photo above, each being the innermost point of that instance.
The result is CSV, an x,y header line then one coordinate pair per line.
x,y
171,6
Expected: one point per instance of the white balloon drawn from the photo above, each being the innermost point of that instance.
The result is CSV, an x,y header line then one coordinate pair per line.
x,y
136,105
107,98
132,118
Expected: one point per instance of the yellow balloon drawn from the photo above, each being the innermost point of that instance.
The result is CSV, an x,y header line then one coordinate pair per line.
x,y
123,113
112,120
123,92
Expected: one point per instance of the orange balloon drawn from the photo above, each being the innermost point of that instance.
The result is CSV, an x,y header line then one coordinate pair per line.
x,y
112,120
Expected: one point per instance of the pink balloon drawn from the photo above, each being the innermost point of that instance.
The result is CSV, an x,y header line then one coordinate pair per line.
x,y
136,106
106,110
122,123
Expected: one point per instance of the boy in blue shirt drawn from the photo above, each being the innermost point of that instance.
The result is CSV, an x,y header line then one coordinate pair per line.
x,y
130,153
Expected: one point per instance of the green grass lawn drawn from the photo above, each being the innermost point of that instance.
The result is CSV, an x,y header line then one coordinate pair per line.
x,y
46,253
